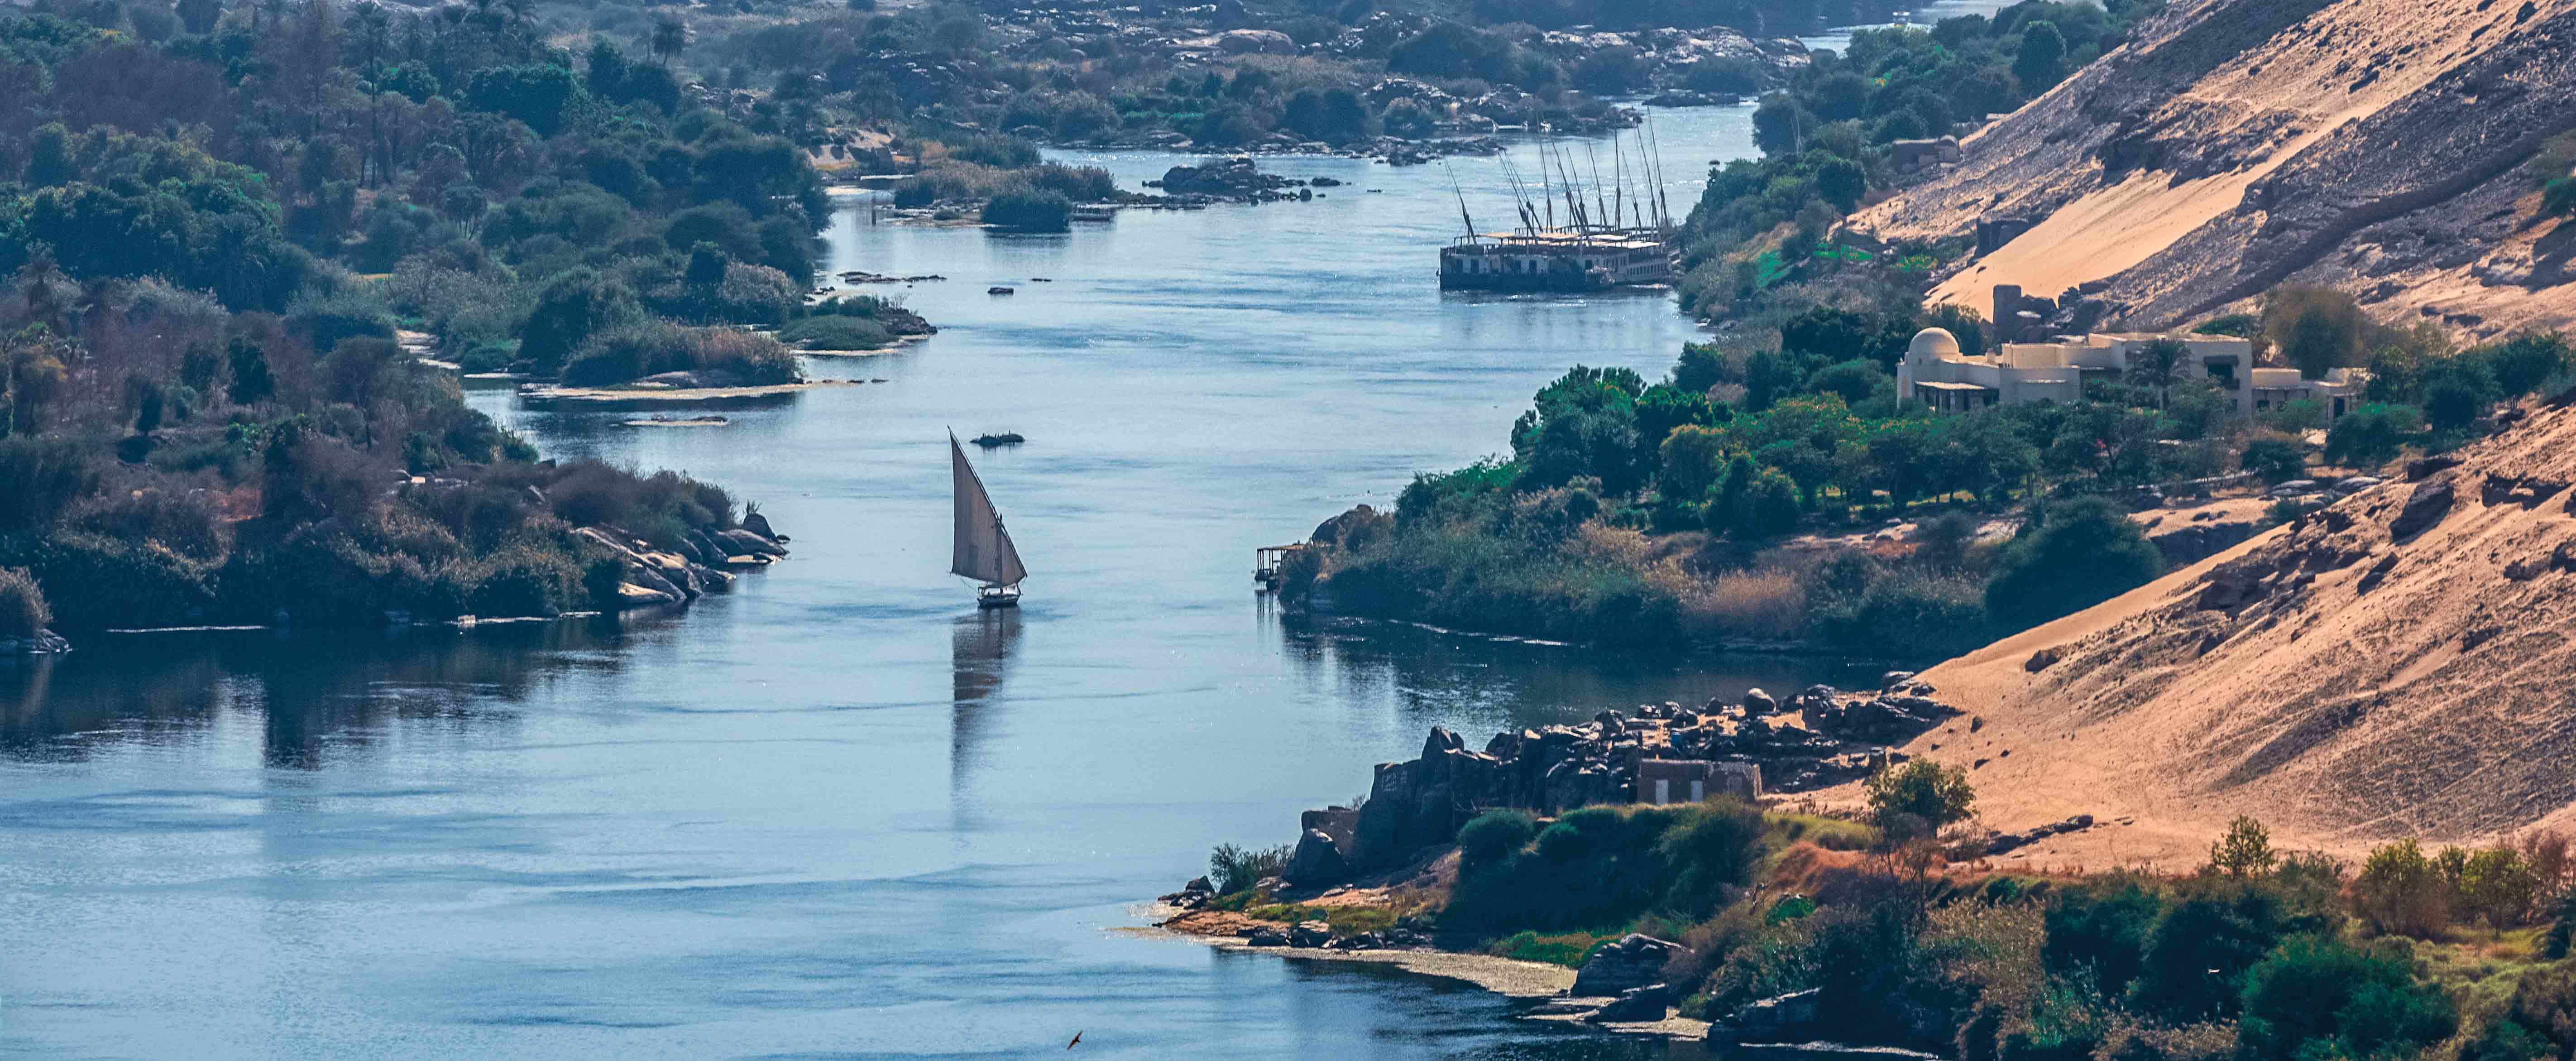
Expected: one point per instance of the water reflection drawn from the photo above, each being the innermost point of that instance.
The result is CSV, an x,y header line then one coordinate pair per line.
x,y
317,697
1495,683
980,648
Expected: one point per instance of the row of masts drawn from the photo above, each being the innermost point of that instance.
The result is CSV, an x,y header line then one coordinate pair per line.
x,y
1593,207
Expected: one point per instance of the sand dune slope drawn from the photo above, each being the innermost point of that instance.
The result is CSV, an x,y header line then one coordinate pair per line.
x,y
2396,665
2232,145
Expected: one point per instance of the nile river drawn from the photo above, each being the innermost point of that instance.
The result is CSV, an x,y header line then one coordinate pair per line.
x,y
839,812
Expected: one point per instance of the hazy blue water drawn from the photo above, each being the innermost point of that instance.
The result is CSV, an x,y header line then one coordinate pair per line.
x,y
840,813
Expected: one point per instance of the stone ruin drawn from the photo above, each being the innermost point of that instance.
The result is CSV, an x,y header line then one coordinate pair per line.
x,y
1815,739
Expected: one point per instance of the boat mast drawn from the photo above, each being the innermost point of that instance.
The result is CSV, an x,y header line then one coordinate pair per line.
x,y
1598,202
1461,193
1619,175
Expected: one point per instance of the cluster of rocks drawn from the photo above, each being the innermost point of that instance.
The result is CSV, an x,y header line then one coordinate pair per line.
x,y
1555,769
701,562
1233,180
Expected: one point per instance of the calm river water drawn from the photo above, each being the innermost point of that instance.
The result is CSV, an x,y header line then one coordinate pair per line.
x,y
839,812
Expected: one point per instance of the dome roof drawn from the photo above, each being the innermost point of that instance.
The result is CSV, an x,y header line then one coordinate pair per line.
x,y
1933,342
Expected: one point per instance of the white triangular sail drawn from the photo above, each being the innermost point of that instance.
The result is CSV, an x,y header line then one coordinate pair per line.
x,y
983,550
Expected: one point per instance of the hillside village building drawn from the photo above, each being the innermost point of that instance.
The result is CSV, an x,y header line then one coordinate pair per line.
x,y
1937,374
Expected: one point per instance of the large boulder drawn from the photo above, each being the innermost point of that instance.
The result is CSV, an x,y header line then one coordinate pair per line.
x,y
1635,961
2425,507
1316,862
1637,1005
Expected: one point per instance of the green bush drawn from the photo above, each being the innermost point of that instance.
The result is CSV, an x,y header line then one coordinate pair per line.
x,y
1494,835
2082,552
2101,929
1236,869
117,583
2400,890
2275,458
1602,867
837,333
651,348
22,604
2558,198
40,478
1030,211
2318,991
2373,434
2213,932
1921,789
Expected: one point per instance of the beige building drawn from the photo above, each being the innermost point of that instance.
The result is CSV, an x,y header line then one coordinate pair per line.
x,y
1937,374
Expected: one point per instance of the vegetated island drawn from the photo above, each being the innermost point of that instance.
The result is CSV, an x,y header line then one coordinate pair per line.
x,y
205,416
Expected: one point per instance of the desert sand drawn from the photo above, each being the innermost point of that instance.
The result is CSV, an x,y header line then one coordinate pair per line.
x,y
2395,665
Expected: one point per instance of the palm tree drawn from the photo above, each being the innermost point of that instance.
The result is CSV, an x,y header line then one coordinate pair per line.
x,y
375,30
2158,363
669,36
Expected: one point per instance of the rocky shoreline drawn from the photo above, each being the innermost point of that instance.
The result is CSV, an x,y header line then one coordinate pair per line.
x,y
1394,845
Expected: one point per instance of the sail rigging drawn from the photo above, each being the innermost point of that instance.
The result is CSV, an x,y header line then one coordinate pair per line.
x,y
982,548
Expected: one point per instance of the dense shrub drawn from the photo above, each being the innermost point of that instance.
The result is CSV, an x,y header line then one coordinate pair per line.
x,y
2075,555
1030,211
103,582
1236,869
1602,866
43,476
1920,789
1494,835
2400,890
837,332
2316,990
2373,434
2275,458
22,604
650,348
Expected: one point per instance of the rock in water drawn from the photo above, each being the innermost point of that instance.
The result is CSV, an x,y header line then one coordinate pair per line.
x,y
1635,961
1636,1005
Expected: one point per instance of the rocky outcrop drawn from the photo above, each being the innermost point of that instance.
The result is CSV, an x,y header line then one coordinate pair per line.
x,y
2231,146
1233,179
1635,960
1315,862
1636,1005
1785,1018
1554,769
692,568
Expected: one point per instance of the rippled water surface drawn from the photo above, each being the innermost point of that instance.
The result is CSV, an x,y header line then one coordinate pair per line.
x,y
839,812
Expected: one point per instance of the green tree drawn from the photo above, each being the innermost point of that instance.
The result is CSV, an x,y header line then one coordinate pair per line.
x,y
670,37
2321,992
2245,851
2079,554
2372,435
573,306
2276,458
2157,363
2399,890
2497,886
1922,789
2316,329
251,382
2037,63
1842,182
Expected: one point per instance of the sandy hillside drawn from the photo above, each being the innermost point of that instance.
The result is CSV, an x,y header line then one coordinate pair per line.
x,y
2232,145
2399,664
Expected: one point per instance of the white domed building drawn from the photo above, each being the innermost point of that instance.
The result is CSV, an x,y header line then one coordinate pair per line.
x,y
1937,374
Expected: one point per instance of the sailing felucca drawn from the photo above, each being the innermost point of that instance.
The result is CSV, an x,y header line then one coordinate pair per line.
x,y
983,550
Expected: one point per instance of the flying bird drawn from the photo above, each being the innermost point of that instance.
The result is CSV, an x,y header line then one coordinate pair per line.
x,y
1077,1041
